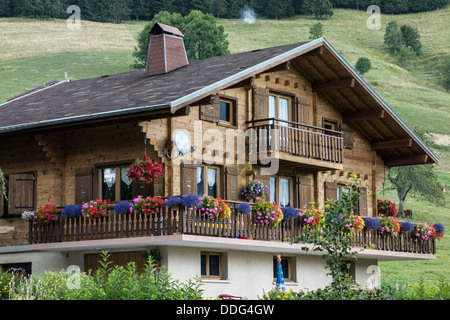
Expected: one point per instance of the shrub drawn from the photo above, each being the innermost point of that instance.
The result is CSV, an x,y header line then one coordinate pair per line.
x,y
363,65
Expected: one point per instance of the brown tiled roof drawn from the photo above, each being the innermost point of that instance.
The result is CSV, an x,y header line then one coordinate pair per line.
x,y
124,93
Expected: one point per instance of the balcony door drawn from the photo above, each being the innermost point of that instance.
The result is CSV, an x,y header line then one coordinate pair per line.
x,y
280,108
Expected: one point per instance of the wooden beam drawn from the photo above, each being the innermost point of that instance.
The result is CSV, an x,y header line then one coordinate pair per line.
x,y
246,83
407,161
391,144
315,52
281,67
364,115
333,85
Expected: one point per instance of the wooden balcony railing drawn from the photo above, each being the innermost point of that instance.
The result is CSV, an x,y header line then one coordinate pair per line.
x,y
299,139
188,221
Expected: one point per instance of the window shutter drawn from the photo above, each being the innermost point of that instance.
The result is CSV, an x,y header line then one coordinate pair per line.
x,y
143,189
260,103
211,111
231,184
188,179
303,192
86,184
21,193
302,110
362,205
330,190
347,135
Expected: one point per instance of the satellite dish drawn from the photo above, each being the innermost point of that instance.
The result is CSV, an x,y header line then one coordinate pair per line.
x,y
182,142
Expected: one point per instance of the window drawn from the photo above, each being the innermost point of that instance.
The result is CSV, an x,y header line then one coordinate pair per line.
x,y
207,181
279,107
20,194
281,191
115,184
341,189
285,266
330,124
211,265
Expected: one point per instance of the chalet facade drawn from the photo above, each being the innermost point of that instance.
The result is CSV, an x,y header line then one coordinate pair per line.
x,y
314,117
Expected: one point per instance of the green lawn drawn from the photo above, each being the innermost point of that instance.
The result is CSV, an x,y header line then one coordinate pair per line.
x,y
33,52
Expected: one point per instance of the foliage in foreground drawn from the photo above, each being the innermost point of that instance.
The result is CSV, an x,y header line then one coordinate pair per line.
x,y
107,283
390,290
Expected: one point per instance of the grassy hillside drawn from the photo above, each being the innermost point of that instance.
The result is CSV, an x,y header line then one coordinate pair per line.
x,y
33,52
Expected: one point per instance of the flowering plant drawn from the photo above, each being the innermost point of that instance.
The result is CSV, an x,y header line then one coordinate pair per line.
x,y
386,208
244,207
289,212
94,209
47,213
255,189
406,226
352,223
145,170
211,208
146,205
389,226
71,210
312,218
267,213
439,228
122,207
27,215
190,200
172,201
372,223
423,231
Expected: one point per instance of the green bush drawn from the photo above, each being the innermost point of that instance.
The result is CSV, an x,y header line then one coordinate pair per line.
x,y
108,283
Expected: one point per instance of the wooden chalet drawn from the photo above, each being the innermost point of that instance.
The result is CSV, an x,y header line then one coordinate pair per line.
x,y
63,142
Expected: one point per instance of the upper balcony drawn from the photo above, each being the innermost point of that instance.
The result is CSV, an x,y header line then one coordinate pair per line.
x,y
309,147
183,221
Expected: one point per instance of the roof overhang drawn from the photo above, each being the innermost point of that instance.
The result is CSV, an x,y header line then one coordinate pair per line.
x,y
334,78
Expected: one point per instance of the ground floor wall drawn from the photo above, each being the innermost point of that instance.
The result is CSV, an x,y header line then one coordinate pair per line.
x,y
246,274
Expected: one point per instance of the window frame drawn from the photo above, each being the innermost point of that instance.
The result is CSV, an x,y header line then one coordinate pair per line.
x,y
117,166
5,211
207,269
334,124
277,190
289,278
233,111
205,179
277,96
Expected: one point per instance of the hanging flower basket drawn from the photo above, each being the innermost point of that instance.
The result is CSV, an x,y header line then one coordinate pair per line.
x,y
95,209
255,189
145,206
267,213
353,224
212,208
145,170
46,214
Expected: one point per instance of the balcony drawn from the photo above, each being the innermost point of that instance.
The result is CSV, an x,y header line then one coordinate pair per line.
x,y
307,146
188,221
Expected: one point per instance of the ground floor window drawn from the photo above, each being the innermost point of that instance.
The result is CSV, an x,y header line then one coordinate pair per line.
x,y
211,265
285,266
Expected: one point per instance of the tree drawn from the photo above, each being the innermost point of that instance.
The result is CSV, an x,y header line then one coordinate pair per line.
x,y
393,37
363,65
405,55
320,8
316,31
411,38
202,37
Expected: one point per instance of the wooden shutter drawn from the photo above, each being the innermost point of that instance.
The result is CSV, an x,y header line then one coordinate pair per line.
x,y
231,184
21,193
303,192
260,103
211,111
188,179
362,204
142,188
302,110
330,190
347,135
86,184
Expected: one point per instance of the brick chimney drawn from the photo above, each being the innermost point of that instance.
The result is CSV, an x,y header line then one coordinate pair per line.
x,y
166,51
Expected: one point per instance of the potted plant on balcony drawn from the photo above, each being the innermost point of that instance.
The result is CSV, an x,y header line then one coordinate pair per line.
x,y
289,212
267,213
312,218
423,232
212,208
173,201
439,228
389,226
95,209
149,205
46,214
353,224
244,207
145,170
71,211
190,200
372,223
